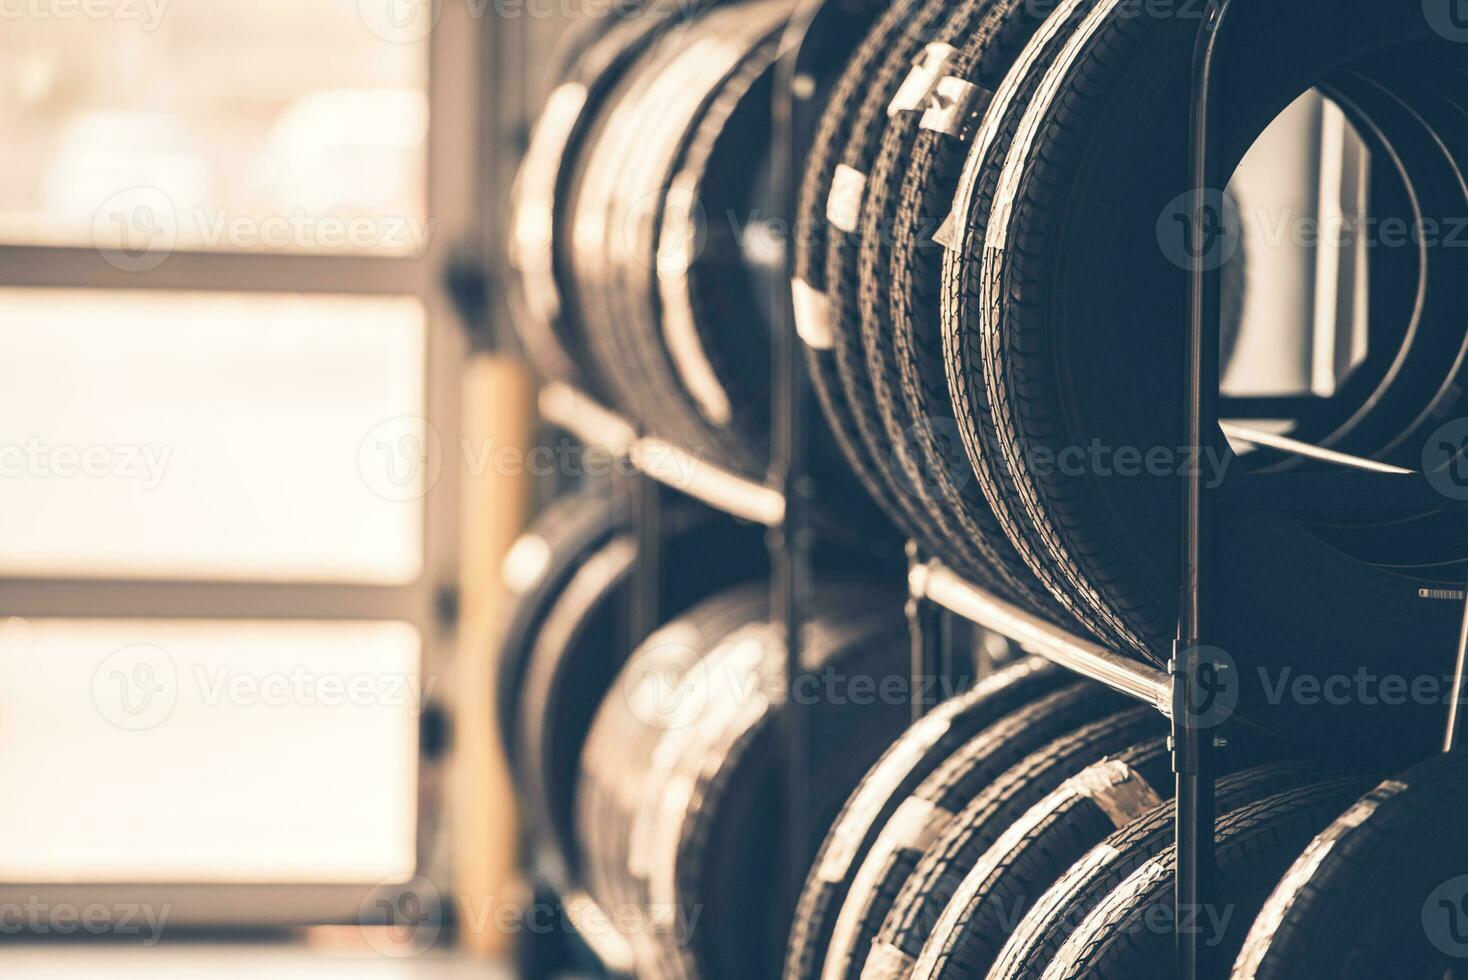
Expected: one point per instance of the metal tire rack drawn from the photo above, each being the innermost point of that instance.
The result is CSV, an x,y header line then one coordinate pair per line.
x,y
782,504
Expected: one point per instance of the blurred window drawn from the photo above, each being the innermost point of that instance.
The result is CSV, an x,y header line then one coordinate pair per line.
x,y
213,124
284,442
208,751
224,373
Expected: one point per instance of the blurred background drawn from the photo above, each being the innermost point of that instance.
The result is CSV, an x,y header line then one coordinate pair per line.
x,y
251,428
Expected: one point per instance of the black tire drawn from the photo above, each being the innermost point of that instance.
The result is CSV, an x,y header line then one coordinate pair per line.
x,y
715,322
899,772
900,272
541,291
676,803
811,240
1061,352
940,874
622,167
710,99
533,575
972,408
1378,893
1044,929
1131,933
935,805
968,921
1000,856
590,194
744,938
842,276
572,664
613,759
922,445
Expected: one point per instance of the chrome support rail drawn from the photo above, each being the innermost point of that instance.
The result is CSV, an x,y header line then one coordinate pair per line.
x,y
938,584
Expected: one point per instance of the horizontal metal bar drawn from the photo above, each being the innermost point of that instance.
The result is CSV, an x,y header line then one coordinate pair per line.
x,y
1272,440
670,465
60,267
180,907
43,598
580,415
715,486
936,583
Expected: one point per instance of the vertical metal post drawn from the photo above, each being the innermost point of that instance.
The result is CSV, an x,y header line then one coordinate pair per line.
x,y
1192,741
647,524
930,636
948,667
1454,733
790,540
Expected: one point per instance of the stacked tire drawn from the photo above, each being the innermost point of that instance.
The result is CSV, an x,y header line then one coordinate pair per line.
x,y
643,248
682,815
568,583
995,322
985,287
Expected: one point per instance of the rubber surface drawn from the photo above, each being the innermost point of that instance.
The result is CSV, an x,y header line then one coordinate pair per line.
x,y
939,801
1045,925
1378,893
541,292
533,575
899,772
1062,321
813,235
945,864
683,771
1131,933
582,641
923,444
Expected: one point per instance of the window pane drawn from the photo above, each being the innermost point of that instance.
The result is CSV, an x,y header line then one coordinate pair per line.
x,y
199,751
222,124
213,436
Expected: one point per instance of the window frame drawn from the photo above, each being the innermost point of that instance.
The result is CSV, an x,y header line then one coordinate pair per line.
x,y
458,183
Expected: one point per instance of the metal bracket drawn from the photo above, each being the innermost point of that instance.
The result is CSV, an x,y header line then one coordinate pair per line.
x,y
953,105
927,69
948,102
